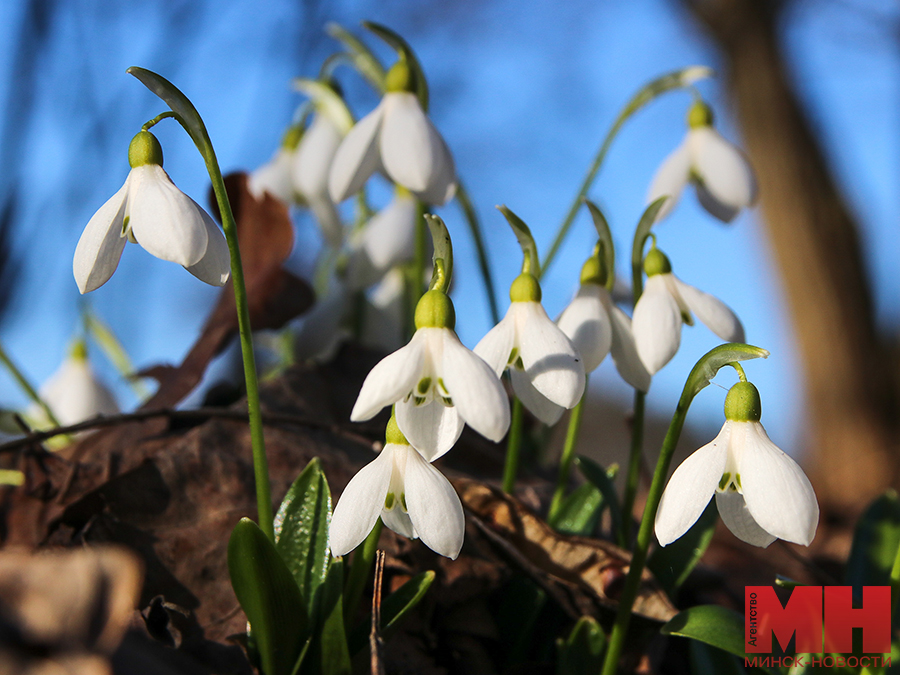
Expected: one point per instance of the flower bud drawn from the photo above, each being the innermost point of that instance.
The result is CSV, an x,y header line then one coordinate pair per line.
x,y
144,149
742,403
399,78
525,288
699,115
656,262
435,310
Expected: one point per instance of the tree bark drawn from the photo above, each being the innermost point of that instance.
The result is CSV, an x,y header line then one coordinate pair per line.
x,y
851,387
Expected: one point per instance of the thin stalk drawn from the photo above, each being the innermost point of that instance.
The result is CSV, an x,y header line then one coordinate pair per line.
x,y
25,385
417,271
513,446
359,572
465,203
568,456
632,477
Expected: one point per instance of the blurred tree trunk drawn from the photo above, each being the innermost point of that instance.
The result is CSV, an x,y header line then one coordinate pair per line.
x,y
850,383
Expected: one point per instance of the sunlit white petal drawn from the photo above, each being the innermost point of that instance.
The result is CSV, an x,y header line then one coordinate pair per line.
x,y
215,266
670,179
717,316
586,322
624,352
724,172
734,513
656,325
274,177
434,507
551,361
432,427
313,157
496,346
533,400
390,380
361,503
357,157
389,237
100,246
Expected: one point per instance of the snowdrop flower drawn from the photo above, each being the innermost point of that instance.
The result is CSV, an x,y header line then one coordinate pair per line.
x,y
724,179
387,240
411,496
437,384
400,139
275,176
151,211
761,493
665,304
309,173
73,392
546,370
597,327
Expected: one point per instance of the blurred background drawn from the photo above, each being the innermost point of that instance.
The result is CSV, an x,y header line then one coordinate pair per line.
x,y
523,94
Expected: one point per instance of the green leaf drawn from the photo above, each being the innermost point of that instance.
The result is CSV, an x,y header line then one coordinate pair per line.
x,y
394,608
301,529
402,48
875,542
334,652
327,101
443,251
711,624
582,652
523,234
707,659
709,364
361,57
579,512
606,242
601,479
269,597
672,564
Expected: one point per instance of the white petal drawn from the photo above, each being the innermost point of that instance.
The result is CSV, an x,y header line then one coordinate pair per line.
x,y
475,389
390,380
624,351
389,237
779,496
496,346
361,503
328,218
690,488
274,177
164,221
717,316
443,186
587,324
656,325
432,428
384,312
725,173
101,244
313,158
412,151
733,511
398,520
434,507
74,393
533,400
670,179
357,157
551,361
215,266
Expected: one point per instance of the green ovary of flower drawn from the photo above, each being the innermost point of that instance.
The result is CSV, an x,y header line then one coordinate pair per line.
x,y
742,403
435,310
144,149
525,288
657,262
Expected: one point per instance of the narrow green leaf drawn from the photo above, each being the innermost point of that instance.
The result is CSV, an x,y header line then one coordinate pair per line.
x,y
604,236
269,597
402,47
394,608
582,652
714,625
710,363
526,241
362,58
443,251
334,652
114,350
301,529
672,564
875,542
600,479
579,512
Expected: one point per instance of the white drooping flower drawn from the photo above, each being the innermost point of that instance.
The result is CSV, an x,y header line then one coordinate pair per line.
x,y
398,138
274,176
437,384
412,498
721,173
74,393
667,303
545,368
387,240
152,212
761,493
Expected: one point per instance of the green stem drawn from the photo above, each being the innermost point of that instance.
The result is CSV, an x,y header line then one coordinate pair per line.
x,y
632,477
465,203
417,270
359,572
30,391
895,582
513,446
568,456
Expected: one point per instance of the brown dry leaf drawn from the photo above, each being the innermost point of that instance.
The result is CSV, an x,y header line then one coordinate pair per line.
x,y
579,573
274,296
65,611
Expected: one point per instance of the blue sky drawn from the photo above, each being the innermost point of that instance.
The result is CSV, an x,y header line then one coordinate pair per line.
x,y
523,93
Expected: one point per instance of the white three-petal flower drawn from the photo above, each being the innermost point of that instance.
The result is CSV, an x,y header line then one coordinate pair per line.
x,y
761,493
162,219
720,171
665,304
411,496
438,386
74,394
545,367
388,239
399,138
274,177
311,164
